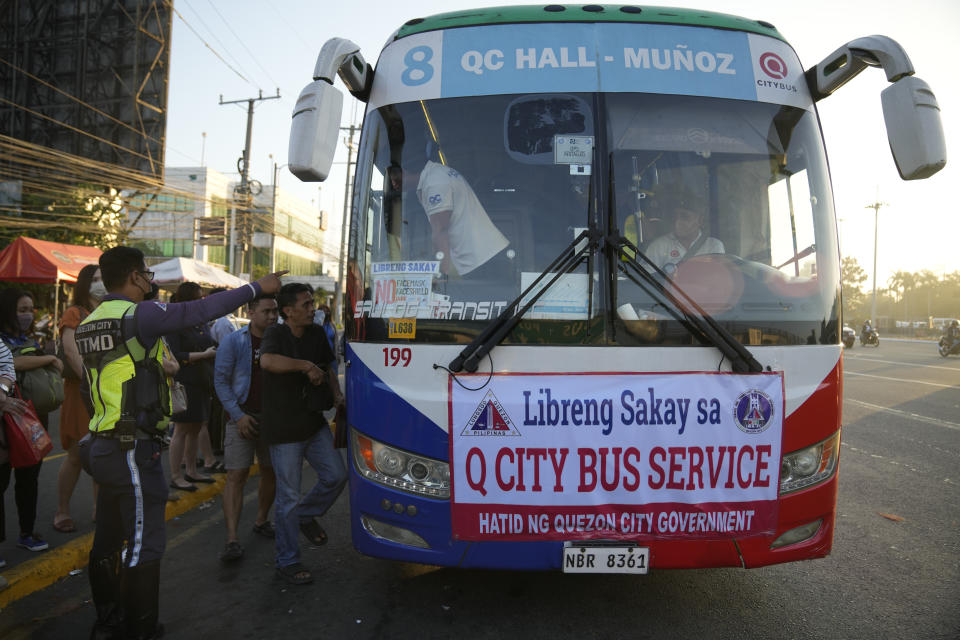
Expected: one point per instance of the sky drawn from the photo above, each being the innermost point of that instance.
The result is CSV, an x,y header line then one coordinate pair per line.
x,y
233,50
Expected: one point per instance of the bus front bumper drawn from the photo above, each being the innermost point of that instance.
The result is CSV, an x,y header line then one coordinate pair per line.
x,y
391,524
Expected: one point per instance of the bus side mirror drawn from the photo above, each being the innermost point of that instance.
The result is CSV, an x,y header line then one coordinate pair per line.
x,y
914,130
314,131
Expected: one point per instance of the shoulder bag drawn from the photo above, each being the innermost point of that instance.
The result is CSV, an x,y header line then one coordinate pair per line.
x,y
42,386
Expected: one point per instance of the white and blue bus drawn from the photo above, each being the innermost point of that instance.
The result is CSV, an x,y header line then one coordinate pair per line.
x,y
592,298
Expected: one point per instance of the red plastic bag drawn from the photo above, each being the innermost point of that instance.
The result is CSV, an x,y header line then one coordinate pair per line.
x,y
27,440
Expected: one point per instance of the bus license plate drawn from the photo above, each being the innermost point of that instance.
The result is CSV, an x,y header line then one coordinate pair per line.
x,y
606,559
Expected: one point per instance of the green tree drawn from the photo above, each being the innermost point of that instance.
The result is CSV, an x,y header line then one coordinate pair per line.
x,y
852,277
86,215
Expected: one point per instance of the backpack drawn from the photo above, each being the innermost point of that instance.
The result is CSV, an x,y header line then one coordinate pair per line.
x,y
42,386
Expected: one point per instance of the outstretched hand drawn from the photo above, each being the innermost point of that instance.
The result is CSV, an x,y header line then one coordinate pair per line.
x,y
271,283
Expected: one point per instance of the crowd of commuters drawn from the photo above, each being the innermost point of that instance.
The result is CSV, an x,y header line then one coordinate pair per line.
x,y
256,393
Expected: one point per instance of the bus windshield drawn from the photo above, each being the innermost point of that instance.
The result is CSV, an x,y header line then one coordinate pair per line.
x,y
461,203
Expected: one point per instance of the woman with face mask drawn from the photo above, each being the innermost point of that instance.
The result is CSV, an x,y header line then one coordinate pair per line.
x,y
16,322
74,417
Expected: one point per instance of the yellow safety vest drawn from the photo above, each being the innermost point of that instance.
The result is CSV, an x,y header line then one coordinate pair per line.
x,y
109,365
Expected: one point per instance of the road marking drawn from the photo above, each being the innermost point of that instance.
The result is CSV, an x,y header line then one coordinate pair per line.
x,y
906,364
905,414
930,384
879,457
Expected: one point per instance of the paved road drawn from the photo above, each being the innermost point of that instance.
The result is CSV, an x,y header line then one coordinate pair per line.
x,y
894,571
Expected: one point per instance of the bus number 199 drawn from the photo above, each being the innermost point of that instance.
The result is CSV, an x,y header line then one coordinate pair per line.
x,y
396,356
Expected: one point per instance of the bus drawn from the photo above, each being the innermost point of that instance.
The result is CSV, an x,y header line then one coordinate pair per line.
x,y
592,292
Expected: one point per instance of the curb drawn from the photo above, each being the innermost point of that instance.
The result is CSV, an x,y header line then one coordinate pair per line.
x,y
31,576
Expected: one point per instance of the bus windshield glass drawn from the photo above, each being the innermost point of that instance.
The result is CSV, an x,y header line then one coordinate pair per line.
x,y
462,203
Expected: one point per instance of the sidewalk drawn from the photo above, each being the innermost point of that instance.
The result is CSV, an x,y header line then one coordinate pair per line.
x,y
27,571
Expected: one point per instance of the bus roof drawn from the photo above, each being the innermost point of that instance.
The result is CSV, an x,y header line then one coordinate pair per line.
x,y
584,13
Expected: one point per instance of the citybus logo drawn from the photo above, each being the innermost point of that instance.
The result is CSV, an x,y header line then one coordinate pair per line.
x,y
773,65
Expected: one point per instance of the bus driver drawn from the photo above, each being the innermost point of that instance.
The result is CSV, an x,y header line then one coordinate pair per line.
x,y
686,240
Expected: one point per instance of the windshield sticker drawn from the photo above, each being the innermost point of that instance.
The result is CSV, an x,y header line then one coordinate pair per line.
x,y
583,57
408,267
616,456
566,299
403,282
402,328
573,150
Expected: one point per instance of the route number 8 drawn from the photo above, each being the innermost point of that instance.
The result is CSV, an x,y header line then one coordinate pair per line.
x,y
419,70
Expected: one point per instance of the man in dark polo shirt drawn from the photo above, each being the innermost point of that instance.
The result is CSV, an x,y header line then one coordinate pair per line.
x,y
298,385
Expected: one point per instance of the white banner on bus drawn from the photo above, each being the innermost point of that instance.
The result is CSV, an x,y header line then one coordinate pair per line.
x,y
551,457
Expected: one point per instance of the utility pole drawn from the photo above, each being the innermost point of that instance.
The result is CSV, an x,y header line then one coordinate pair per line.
x,y
343,223
243,194
876,211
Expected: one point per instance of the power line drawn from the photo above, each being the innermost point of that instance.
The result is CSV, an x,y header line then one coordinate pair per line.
x,y
207,45
243,44
75,129
291,27
143,134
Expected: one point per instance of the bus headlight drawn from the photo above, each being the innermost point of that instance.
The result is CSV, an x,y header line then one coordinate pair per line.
x,y
807,467
400,469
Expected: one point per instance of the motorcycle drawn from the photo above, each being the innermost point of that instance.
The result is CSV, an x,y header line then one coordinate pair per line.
x,y
870,338
848,337
945,348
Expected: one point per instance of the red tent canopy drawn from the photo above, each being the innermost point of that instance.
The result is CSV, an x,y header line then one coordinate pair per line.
x,y
39,261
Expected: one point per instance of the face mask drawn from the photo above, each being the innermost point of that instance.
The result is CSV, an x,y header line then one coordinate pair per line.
x,y
25,320
154,292
97,290
318,317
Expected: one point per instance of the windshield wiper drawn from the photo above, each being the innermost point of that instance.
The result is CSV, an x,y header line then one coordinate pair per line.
x,y
681,306
568,260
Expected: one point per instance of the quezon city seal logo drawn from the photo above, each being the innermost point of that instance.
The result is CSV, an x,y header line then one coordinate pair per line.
x,y
752,411
490,419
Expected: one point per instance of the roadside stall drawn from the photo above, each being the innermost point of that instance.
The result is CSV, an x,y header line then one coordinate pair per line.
x,y
34,261
170,273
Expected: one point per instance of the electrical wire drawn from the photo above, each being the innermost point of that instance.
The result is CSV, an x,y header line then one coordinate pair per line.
x,y
243,44
207,45
81,102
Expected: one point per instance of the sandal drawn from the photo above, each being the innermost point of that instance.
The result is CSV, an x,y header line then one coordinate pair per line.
x,y
313,532
265,529
203,479
295,573
216,467
232,552
65,525
189,487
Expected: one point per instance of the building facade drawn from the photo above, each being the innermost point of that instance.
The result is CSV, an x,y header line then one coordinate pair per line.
x,y
194,217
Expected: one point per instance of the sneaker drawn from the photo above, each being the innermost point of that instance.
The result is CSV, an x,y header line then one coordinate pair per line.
x,y
32,542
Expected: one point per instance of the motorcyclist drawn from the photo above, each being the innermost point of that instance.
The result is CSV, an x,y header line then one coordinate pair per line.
x,y
953,332
866,331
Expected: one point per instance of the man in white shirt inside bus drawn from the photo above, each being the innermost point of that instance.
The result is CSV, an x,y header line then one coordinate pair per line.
x,y
687,238
461,229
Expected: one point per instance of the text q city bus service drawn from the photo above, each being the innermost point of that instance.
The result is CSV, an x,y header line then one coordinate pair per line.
x,y
592,299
